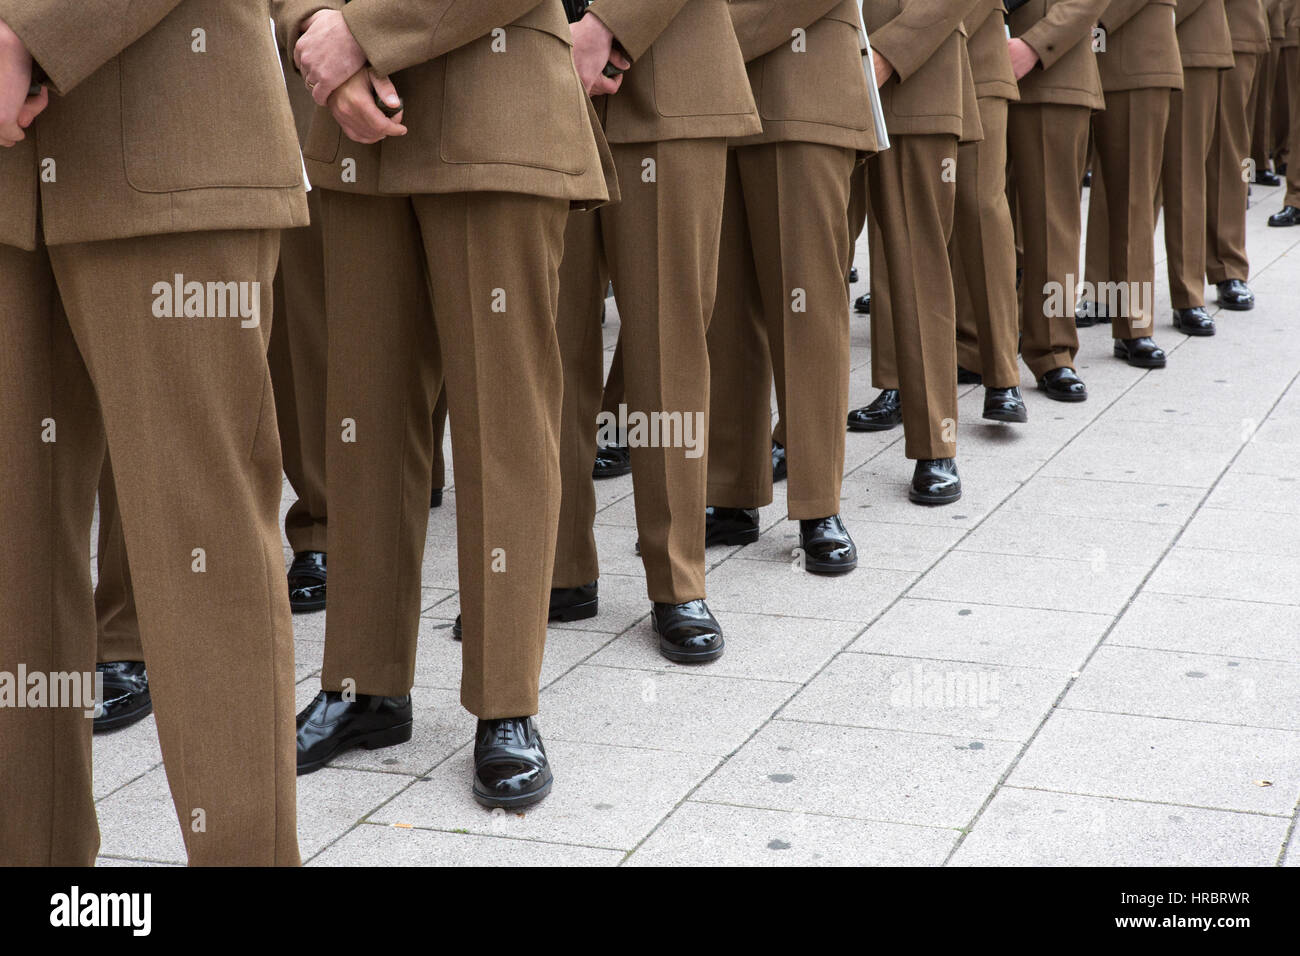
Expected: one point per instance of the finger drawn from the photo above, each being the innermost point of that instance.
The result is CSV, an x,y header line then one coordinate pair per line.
x,y
33,108
373,120
604,85
386,90
321,92
619,60
11,133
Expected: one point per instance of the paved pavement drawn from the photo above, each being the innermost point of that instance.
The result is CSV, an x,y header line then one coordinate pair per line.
x,y
1092,658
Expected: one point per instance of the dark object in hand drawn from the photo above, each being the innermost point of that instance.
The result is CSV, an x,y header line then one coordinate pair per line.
x,y
34,90
384,108
575,10
1014,5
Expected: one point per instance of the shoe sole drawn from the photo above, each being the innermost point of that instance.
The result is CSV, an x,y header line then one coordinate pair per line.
x,y
1236,307
307,607
1140,363
1057,397
829,570
375,740
614,473
732,538
1195,333
575,612
512,803
873,428
1013,418
932,501
126,720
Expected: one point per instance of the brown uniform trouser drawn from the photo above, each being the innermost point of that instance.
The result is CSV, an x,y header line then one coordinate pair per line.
x,y
1259,108
914,324
1284,92
1048,145
1293,134
660,245
296,356
186,408
466,284
983,254
1129,139
1225,183
785,253
1182,182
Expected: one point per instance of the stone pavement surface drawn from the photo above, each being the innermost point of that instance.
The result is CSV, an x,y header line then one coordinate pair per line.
x,y
1092,658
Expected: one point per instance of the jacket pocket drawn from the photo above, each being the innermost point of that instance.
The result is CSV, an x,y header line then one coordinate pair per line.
x,y
1150,44
206,110
698,68
825,84
518,103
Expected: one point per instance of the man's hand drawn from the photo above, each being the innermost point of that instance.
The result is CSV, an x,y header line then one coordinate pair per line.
x,y
327,54
593,47
884,69
17,110
353,105
1023,57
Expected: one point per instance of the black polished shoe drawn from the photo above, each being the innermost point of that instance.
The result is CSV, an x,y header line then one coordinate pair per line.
x,y
1063,385
1235,295
688,633
510,766
1088,313
307,582
435,498
779,471
853,274
1264,177
1140,352
862,304
1193,321
884,412
1289,216
826,546
966,377
935,482
1005,405
567,604
330,725
730,526
126,696
612,461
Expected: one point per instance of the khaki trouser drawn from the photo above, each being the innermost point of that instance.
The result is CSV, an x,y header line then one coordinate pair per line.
x,y
186,408
660,246
914,323
785,253
464,283
1048,145
983,254
1225,184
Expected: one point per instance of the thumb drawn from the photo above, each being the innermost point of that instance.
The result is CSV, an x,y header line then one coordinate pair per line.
x,y
386,90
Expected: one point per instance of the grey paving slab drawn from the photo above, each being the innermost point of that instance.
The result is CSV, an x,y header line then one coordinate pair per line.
x,y
767,587
889,547
1164,761
759,646
332,799
1246,492
1251,532
988,701
878,492
1036,828
603,796
984,633
1070,536
374,845
439,727
1093,585
887,775
138,821
1048,495
1180,622
1227,690
692,713
122,755
623,602
1227,574
709,834
1148,453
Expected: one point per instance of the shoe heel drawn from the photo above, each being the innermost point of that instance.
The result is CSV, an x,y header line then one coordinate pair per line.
x,y
389,737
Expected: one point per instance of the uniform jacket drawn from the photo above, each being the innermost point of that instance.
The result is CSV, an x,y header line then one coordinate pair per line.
x,y
1249,25
990,62
812,93
932,89
146,135
1203,36
1061,33
688,78
1276,11
492,101
1292,23
1141,46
